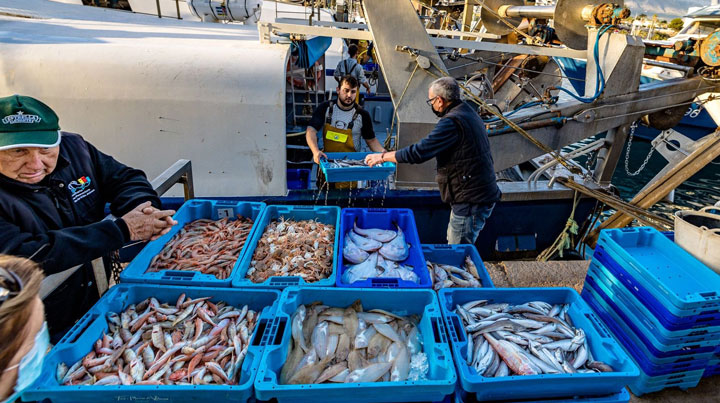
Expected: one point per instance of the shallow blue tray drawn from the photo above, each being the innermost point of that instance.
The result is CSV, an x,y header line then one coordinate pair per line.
x,y
136,271
649,364
323,214
80,339
671,317
645,322
683,280
441,376
602,346
351,174
454,255
385,219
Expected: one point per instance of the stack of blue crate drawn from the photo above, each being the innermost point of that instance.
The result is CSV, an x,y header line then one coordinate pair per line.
x,y
662,305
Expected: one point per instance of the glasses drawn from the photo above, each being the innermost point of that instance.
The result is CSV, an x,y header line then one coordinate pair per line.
x,y
431,100
10,285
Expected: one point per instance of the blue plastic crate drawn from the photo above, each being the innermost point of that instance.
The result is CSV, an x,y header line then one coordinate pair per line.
x,y
136,271
385,219
683,381
455,255
705,335
324,214
714,365
683,280
441,375
79,341
683,378
670,317
602,346
649,364
298,178
621,397
350,174
656,353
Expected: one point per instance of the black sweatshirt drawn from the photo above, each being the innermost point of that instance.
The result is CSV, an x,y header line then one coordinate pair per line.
x,y
61,217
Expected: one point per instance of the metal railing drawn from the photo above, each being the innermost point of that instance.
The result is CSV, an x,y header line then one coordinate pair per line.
x,y
178,173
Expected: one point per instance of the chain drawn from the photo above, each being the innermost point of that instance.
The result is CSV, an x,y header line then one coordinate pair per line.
x,y
633,126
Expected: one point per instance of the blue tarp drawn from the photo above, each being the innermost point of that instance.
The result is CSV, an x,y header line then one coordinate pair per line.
x,y
311,50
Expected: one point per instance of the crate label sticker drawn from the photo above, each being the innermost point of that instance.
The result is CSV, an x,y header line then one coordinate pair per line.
x,y
142,398
224,213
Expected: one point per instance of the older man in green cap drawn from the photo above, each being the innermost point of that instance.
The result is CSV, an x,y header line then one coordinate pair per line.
x,y
53,190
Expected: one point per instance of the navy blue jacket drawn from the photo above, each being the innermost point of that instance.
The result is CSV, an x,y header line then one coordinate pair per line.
x,y
63,216
466,175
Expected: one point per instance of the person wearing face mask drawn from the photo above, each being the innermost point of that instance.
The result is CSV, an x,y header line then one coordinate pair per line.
x,y
465,172
343,124
24,338
53,190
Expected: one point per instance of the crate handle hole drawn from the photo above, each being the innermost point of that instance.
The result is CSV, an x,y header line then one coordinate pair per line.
x,y
260,332
384,282
456,331
280,331
180,275
285,280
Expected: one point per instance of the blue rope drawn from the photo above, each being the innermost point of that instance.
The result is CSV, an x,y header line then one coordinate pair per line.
x,y
600,82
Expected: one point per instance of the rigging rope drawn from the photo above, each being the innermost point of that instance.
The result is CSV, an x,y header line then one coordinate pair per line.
x,y
638,213
563,240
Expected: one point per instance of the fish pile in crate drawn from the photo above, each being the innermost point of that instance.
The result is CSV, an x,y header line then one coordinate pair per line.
x,y
529,339
204,245
375,253
301,248
345,162
348,345
193,341
449,276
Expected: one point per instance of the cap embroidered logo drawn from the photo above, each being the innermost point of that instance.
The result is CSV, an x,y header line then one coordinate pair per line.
x,y
21,117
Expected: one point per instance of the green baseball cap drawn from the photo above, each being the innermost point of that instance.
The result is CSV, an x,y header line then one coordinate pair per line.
x,y
27,122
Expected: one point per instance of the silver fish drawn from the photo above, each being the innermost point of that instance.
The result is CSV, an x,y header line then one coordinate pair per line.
x,y
361,271
366,244
531,338
297,322
380,235
353,345
371,373
352,253
397,249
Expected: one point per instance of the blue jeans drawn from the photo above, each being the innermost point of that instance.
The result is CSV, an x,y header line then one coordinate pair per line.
x,y
465,230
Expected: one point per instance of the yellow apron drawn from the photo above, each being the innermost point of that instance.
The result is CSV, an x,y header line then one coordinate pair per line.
x,y
338,140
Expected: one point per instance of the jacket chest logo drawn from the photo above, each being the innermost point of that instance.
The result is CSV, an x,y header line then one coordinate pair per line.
x,y
80,188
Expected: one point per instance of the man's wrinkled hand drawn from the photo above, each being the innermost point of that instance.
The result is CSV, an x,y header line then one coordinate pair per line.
x,y
373,159
145,222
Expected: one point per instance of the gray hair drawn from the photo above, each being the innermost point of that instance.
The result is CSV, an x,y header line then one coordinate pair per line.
x,y
446,88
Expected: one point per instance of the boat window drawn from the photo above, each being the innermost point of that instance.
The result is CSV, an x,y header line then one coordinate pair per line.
x,y
701,28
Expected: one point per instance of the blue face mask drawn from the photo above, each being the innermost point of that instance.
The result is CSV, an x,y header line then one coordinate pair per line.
x,y
31,364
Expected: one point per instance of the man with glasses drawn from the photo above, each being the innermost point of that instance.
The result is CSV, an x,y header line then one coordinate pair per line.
x,y
465,172
53,190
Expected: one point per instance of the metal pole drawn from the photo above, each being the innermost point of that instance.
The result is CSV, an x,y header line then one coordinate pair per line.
x,y
177,7
157,2
527,11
